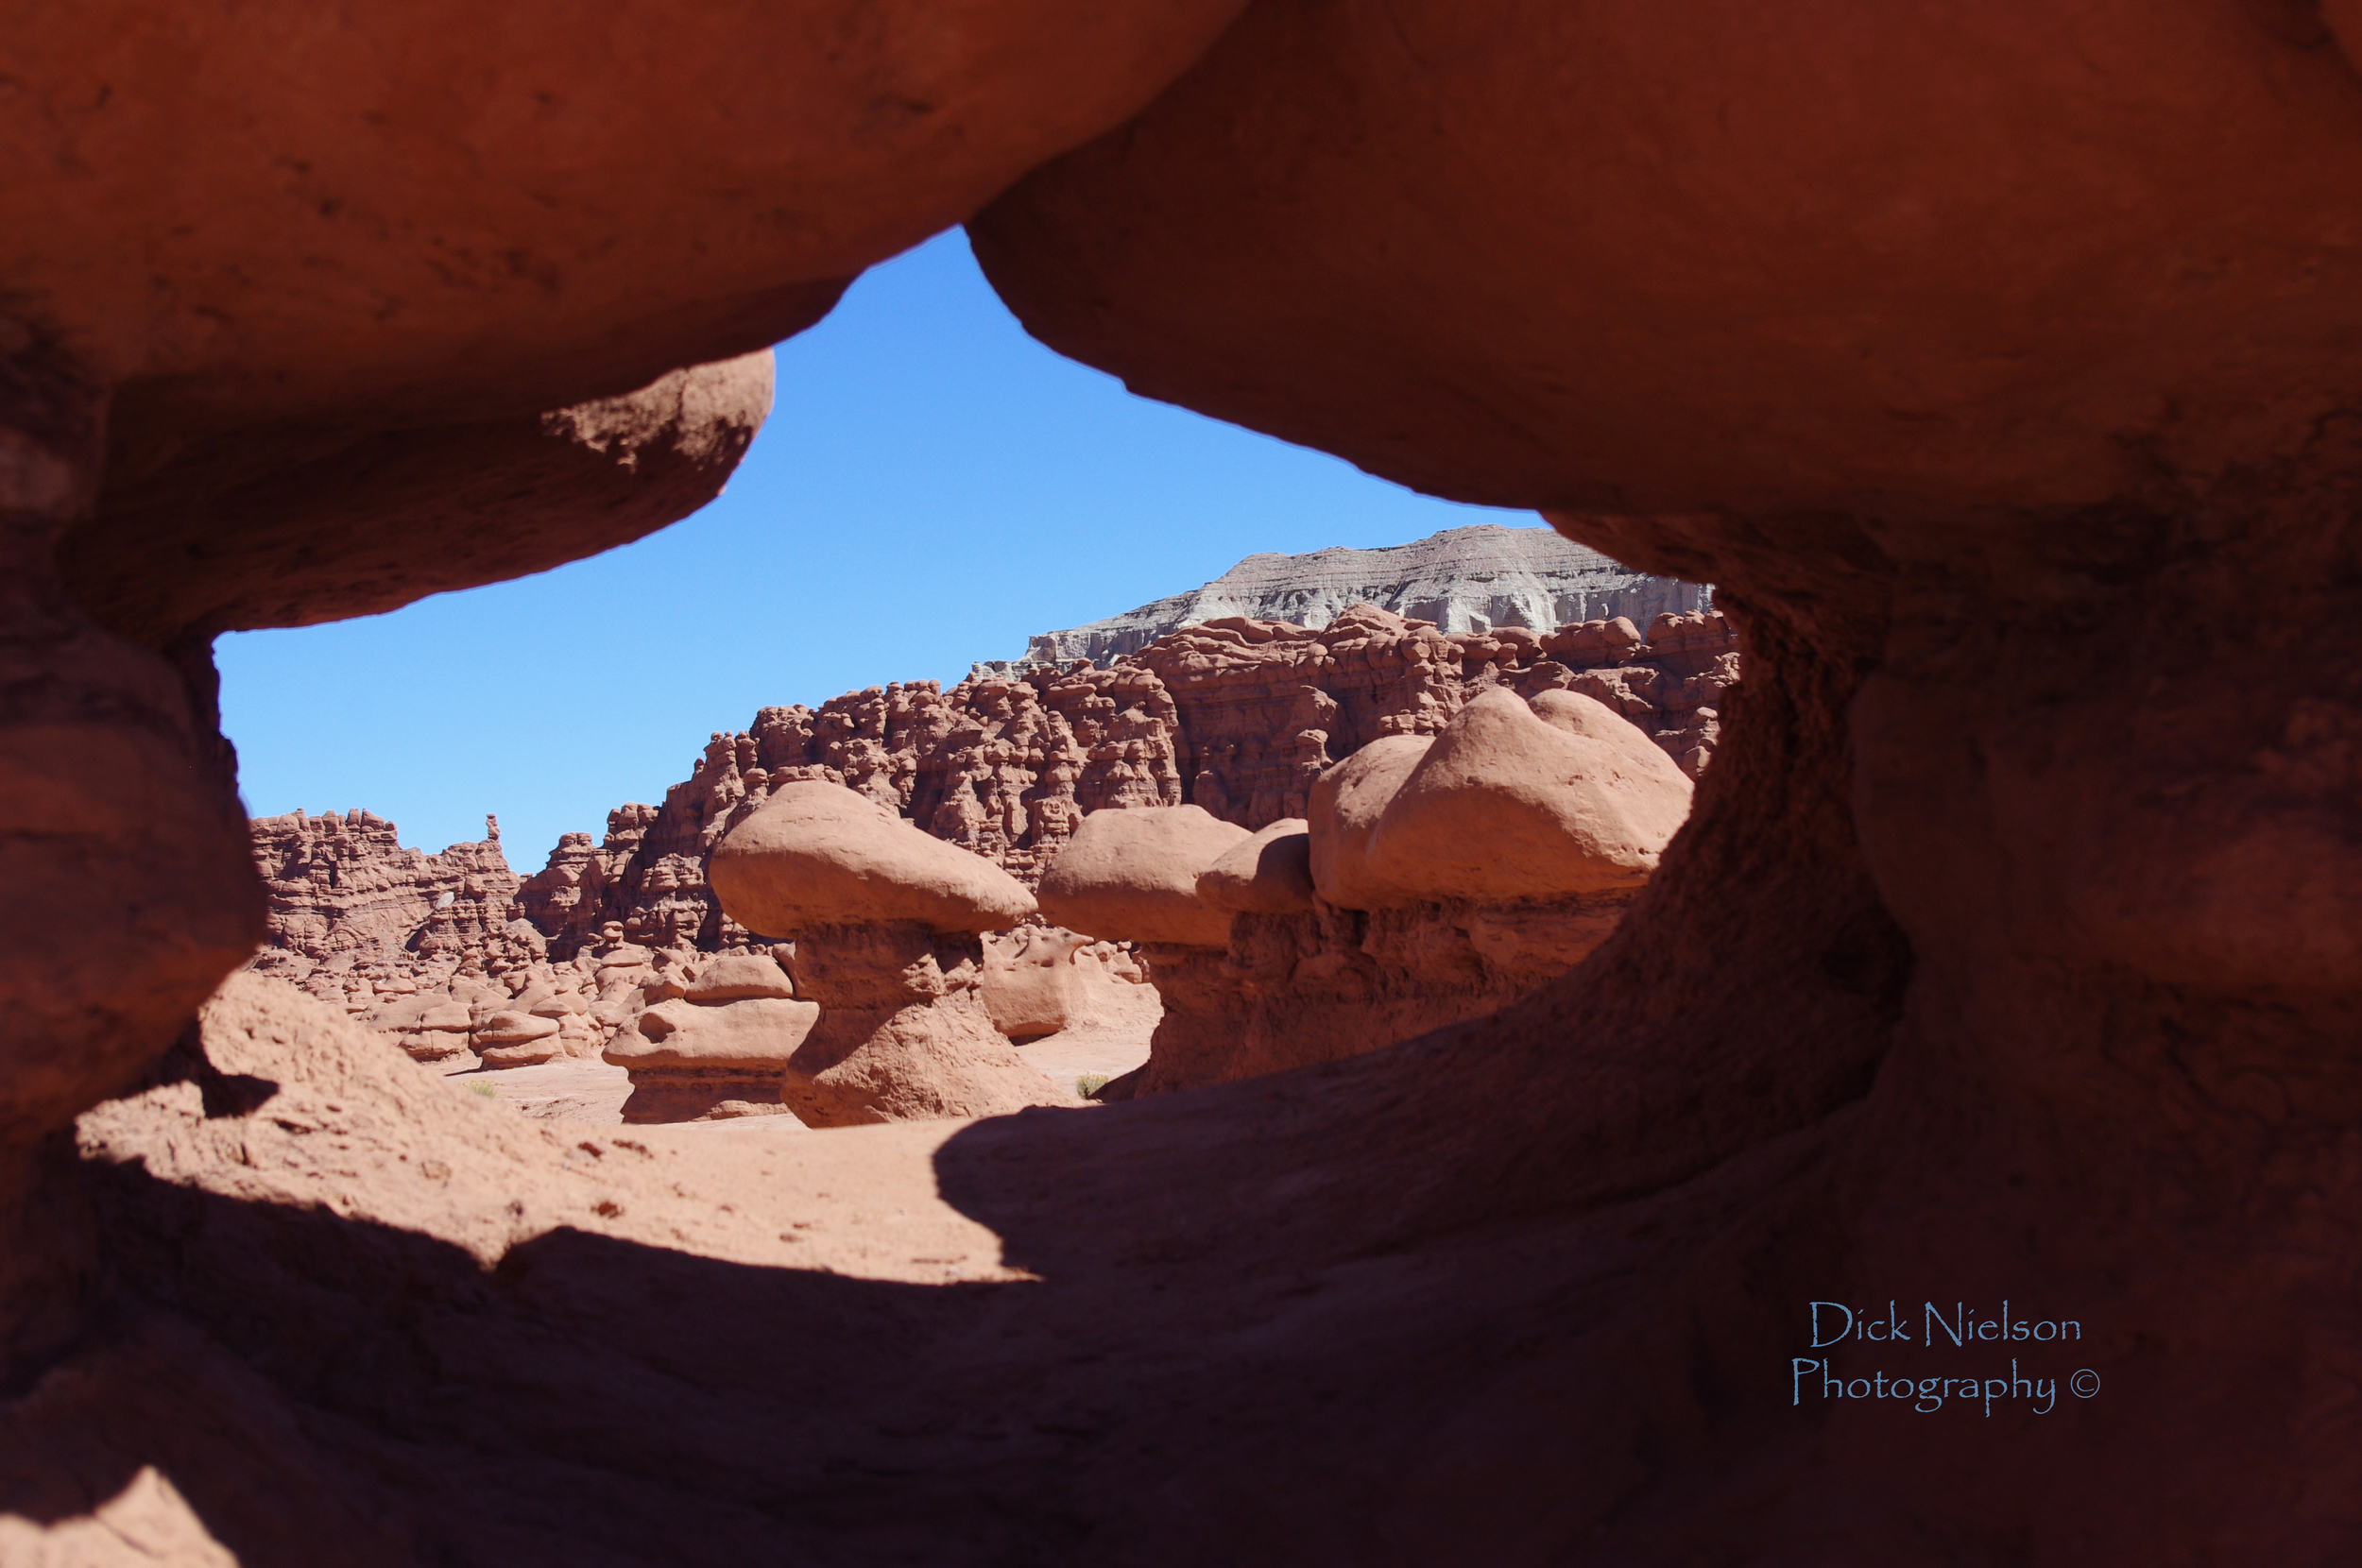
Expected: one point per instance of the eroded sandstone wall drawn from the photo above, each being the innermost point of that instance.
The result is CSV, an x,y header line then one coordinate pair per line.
x,y
348,903
1237,716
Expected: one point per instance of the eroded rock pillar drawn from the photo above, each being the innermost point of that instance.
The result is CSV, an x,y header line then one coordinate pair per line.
x,y
2110,781
122,843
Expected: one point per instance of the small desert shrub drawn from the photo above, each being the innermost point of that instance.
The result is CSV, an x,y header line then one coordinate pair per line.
x,y
489,1091
1089,1085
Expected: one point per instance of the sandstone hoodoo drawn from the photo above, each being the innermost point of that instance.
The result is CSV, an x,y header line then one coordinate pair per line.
x,y
721,1045
1436,879
886,923
1040,979
819,854
1132,877
512,1039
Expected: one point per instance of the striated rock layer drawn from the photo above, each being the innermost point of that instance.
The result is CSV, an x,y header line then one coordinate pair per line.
x,y
1463,579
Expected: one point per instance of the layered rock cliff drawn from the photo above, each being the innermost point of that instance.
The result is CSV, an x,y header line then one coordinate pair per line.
x,y
1463,579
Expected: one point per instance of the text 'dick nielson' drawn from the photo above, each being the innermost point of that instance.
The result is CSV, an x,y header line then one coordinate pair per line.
x,y
2035,1347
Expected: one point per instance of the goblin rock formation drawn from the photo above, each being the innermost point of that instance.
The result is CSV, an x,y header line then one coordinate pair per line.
x,y
724,1041
887,924
1134,874
1235,716
1987,358
1004,768
1436,880
1462,580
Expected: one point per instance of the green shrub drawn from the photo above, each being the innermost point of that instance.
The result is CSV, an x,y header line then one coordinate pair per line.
x,y
1089,1085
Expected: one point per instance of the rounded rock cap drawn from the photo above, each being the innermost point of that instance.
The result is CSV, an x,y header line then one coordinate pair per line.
x,y
820,854
1346,802
1514,801
1269,874
1131,875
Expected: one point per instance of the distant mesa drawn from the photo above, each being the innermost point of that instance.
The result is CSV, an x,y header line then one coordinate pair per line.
x,y
1473,579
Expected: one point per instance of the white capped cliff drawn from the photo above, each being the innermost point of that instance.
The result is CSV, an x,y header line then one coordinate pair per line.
x,y
1469,579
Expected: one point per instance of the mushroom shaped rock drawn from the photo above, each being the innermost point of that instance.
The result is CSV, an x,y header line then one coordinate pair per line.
x,y
1270,874
905,1031
1511,804
1131,874
511,1038
686,1059
512,1026
1347,801
740,976
819,854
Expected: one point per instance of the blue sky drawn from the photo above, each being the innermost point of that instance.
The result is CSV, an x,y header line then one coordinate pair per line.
x,y
933,487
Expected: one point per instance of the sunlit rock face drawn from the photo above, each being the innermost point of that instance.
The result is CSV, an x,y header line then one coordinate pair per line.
x,y
345,893
1460,580
1235,716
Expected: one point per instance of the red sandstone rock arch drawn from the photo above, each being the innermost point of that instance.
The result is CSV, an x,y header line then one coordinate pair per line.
x,y
1983,356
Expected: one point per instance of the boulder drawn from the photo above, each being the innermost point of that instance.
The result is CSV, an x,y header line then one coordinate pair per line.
x,y
1269,874
430,1026
523,1053
685,1059
737,976
1509,804
1345,806
818,854
1132,875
